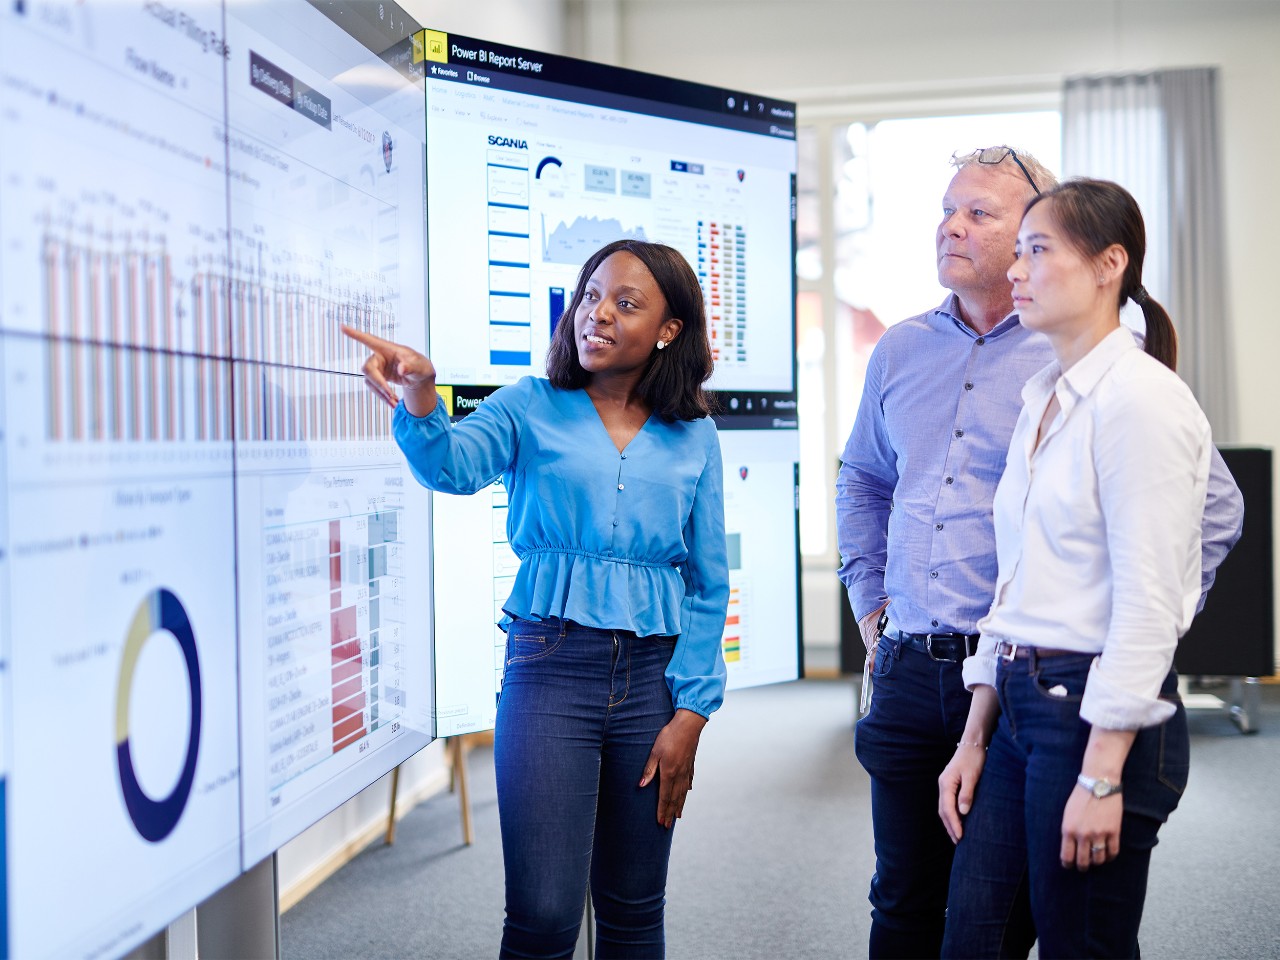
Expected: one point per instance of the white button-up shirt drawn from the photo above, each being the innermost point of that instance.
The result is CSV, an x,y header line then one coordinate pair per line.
x,y
1098,528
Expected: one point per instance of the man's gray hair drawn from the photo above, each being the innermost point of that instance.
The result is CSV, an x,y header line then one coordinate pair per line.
x,y
1042,176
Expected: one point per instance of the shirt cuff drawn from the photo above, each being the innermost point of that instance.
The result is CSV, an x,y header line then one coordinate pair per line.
x,y
1110,706
701,710
979,669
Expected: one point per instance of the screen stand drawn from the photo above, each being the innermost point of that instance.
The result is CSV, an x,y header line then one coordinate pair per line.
x,y
243,918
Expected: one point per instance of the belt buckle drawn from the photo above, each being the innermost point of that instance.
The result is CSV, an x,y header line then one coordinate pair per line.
x,y
928,646
1010,651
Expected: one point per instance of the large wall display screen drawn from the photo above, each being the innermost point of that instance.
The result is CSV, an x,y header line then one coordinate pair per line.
x,y
761,483
334,579
535,161
214,574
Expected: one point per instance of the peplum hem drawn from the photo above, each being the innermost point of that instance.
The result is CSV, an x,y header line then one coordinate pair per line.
x,y
640,596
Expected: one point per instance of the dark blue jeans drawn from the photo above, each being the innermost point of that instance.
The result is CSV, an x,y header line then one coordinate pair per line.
x,y
580,710
1007,879
918,711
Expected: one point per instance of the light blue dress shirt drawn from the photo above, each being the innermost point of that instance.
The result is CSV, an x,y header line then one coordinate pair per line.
x,y
918,475
630,540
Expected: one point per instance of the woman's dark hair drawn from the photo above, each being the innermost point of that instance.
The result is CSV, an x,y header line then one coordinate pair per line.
x,y
1094,214
672,382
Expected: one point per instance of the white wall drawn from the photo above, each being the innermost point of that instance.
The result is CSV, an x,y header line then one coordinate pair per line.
x,y
868,50
533,24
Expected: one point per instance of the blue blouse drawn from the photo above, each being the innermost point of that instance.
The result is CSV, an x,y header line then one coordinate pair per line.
x,y
628,541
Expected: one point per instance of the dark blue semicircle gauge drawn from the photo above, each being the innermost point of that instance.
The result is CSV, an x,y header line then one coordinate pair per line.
x,y
543,162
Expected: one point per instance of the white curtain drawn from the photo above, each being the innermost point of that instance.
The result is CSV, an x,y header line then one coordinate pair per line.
x,y
1157,135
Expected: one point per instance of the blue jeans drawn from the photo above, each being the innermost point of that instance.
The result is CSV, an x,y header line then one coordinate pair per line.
x,y
917,714
1007,880
579,713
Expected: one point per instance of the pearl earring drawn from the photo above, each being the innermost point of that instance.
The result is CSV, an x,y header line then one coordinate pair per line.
x,y
662,344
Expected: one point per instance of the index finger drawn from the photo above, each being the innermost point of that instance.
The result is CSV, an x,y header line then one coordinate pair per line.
x,y
369,340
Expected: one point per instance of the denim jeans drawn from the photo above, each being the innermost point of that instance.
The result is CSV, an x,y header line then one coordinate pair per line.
x,y
1007,880
918,711
579,713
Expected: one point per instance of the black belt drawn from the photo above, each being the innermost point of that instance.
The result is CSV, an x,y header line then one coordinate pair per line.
x,y
945,647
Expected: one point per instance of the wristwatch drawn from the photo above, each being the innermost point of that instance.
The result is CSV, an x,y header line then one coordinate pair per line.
x,y
1098,786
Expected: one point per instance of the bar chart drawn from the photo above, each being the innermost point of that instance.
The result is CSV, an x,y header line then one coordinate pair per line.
x,y
332,619
288,404
119,394
288,301
721,267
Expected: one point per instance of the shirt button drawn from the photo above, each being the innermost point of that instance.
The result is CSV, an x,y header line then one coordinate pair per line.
x,y
981,341
621,486
950,479
624,456
959,433
968,386
934,622
938,527
615,523
934,574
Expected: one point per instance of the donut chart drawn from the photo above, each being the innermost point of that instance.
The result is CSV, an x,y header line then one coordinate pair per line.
x,y
156,818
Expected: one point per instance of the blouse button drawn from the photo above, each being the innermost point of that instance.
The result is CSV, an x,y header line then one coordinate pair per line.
x,y
621,486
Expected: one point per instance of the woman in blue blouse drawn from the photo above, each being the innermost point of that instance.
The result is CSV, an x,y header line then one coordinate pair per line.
x,y
612,467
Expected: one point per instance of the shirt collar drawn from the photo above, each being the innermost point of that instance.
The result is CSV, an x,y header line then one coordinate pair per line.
x,y
950,309
1085,374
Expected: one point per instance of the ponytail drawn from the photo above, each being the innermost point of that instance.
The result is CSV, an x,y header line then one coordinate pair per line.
x,y
1161,340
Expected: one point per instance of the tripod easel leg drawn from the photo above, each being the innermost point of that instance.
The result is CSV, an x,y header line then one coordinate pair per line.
x,y
391,814
457,749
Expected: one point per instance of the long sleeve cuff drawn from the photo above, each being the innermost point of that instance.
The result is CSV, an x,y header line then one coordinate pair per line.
x,y
1108,705
981,667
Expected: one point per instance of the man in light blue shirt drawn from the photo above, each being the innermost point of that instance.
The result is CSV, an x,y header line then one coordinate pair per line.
x,y
914,522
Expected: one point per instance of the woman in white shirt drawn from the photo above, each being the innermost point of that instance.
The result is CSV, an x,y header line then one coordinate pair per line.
x,y
1076,746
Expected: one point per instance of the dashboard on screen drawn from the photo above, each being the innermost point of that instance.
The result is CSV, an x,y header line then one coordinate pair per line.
x,y
535,161
214,567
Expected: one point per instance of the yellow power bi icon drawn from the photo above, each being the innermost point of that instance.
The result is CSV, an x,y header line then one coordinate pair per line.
x,y
435,46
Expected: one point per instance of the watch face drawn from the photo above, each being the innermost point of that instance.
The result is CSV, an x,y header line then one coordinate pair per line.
x,y
1104,788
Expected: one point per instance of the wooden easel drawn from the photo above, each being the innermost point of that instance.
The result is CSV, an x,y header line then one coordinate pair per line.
x,y
456,749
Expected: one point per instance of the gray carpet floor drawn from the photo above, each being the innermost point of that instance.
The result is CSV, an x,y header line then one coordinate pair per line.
x,y
774,853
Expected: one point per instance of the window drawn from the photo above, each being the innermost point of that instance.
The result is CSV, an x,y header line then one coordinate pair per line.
x,y
865,259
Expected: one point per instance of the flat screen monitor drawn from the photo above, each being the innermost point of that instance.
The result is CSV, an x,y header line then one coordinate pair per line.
x,y
123,790
535,161
325,134
214,568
